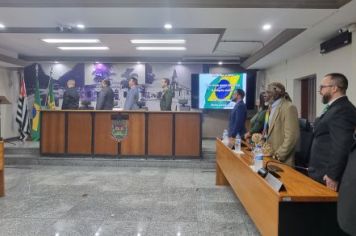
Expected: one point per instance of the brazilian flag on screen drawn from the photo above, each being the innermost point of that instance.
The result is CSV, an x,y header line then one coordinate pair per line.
x,y
35,132
50,97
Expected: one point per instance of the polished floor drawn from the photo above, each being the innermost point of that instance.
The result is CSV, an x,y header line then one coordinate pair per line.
x,y
62,200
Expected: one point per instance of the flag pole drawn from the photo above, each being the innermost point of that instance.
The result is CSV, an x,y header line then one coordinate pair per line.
x,y
49,83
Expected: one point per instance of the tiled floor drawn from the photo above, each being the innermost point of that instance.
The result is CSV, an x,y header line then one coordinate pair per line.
x,y
61,200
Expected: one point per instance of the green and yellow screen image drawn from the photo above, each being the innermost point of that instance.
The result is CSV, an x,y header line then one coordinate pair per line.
x,y
215,90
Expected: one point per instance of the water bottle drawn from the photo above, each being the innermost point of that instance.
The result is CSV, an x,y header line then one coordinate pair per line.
x,y
225,137
238,143
258,158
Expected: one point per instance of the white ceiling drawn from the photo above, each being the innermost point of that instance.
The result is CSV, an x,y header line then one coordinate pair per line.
x,y
240,24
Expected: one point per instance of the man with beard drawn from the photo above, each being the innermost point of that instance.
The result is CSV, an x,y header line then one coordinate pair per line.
x,y
237,117
333,132
281,128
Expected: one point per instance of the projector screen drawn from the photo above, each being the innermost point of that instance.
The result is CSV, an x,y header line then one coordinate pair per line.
x,y
215,90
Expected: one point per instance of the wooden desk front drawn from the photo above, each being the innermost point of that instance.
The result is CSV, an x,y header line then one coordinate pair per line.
x,y
163,134
305,207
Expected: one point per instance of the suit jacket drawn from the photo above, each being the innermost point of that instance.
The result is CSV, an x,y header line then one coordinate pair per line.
x,y
346,207
70,99
237,120
166,100
333,137
105,99
132,99
283,131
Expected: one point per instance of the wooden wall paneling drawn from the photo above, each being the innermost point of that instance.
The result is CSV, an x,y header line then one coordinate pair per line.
x,y
134,144
104,143
160,137
187,134
52,132
80,129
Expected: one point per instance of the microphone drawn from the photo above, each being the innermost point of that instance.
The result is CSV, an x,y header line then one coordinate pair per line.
x,y
273,169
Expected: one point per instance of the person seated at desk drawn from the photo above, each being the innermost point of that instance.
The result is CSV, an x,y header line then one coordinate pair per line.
x,y
258,119
70,97
105,99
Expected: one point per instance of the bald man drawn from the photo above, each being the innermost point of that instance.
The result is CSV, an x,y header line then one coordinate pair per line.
x,y
70,97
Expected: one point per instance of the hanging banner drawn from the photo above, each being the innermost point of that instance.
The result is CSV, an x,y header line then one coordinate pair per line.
x,y
119,126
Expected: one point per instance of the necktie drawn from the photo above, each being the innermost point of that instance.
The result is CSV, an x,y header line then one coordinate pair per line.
x,y
326,108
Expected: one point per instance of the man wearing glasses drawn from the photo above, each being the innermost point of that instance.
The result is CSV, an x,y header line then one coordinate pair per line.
x,y
333,132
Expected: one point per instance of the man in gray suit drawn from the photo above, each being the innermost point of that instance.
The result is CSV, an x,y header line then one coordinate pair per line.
x,y
132,95
105,99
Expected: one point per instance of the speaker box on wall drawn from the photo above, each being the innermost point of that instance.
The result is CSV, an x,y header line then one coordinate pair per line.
x,y
339,41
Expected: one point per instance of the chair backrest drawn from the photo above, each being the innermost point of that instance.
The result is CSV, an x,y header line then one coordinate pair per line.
x,y
303,147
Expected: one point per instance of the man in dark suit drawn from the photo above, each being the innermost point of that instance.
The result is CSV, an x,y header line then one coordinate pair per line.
x,y
346,207
333,132
70,97
237,116
105,99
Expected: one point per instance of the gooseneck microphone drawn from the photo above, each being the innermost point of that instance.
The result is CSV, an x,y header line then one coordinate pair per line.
x,y
274,169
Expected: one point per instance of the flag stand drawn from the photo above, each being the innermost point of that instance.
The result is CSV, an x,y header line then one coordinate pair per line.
x,y
3,101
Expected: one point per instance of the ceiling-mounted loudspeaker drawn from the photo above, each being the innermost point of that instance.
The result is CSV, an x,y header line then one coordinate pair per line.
x,y
339,41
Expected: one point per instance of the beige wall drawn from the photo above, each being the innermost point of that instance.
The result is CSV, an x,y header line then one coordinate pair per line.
x,y
9,87
342,60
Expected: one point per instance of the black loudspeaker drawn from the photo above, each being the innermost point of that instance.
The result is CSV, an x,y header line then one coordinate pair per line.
x,y
339,41
195,91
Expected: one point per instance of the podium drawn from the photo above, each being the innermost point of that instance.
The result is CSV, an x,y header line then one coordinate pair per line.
x,y
3,101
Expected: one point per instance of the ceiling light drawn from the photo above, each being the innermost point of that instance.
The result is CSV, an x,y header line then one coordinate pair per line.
x,y
80,26
138,63
266,27
84,48
55,62
220,63
158,41
179,63
71,40
161,48
168,26
2,26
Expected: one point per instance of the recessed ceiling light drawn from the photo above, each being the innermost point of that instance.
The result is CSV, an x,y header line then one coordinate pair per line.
x,y
168,26
71,40
56,62
138,63
158,41
2,26
161,48
179,63
80,26
266,26
220,63
84,48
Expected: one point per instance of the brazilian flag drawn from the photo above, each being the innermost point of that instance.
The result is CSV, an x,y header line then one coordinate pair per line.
x,y
50,97
35,132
